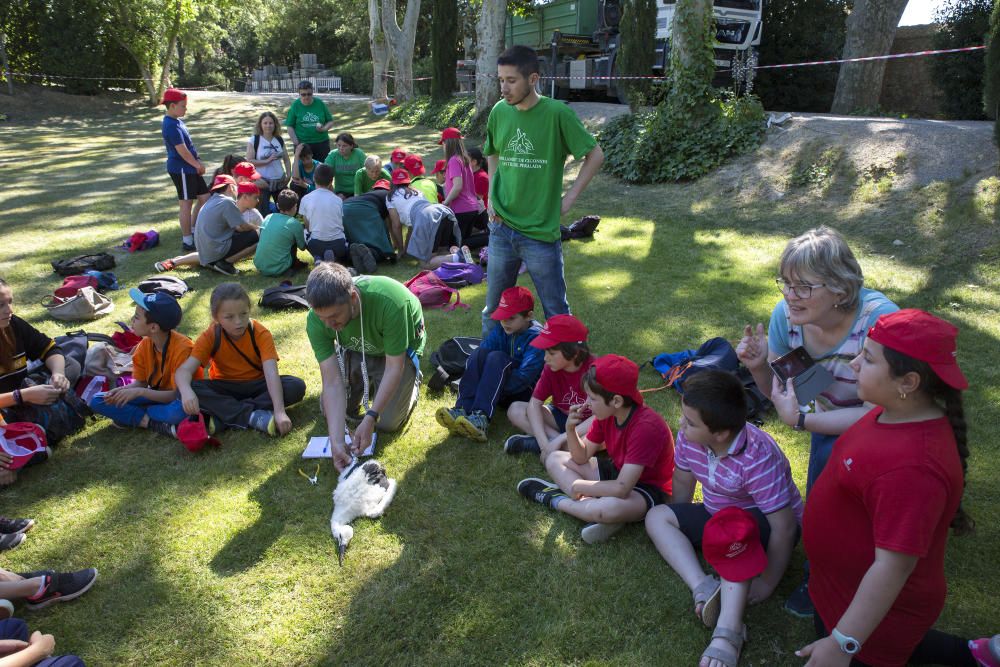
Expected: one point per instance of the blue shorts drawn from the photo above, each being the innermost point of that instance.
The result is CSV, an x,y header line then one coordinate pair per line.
x,y
559,416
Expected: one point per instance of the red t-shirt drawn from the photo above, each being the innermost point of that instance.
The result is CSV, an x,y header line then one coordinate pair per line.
x,y
564,387
644,439
894,487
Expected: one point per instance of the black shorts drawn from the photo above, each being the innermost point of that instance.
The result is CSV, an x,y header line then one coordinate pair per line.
x,y
189,186
692,517
241,241
653,495
558,415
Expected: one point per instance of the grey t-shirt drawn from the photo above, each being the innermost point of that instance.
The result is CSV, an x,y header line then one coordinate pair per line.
x,y
213,232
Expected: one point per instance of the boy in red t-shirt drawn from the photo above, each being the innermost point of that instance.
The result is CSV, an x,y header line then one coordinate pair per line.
x,y
567,360
636,475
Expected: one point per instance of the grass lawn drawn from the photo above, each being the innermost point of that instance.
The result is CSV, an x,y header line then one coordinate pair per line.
x,y
225,557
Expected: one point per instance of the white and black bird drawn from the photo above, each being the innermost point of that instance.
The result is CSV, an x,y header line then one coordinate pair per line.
x,y
362,490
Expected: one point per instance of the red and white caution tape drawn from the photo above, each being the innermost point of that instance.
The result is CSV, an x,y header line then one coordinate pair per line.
x,y
890,56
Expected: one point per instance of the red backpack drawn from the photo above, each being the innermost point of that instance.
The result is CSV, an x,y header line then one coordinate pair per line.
x,y
72,284
432,292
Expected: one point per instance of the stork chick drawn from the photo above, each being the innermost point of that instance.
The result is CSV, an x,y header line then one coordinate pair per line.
x,y
362,490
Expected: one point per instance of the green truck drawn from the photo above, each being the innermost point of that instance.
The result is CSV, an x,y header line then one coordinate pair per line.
x,y
577,40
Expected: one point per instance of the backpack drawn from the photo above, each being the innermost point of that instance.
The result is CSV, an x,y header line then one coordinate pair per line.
x,y
715,353
449,360
71,284
284,296
171,285
74,346
758,404
142,241
581,229
432,292
105,280
455,274
220,334
76,265
86,304
256,143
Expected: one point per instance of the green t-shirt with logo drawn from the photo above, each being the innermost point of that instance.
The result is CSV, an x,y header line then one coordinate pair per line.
x,y
344,169
427,187
363,182
303,120
393,322
526,190
278,233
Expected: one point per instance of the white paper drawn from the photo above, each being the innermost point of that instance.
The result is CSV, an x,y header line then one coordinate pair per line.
x,y
319,446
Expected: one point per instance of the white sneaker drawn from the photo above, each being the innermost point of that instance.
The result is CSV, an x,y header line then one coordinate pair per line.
x,y
595,533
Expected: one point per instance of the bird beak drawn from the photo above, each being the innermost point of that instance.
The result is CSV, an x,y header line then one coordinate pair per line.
x,y
341,548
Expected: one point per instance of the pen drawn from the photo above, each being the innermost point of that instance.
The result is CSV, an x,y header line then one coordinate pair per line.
x,y
326,446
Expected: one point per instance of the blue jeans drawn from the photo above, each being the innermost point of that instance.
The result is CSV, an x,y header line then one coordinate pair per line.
x,y
482,385
15,628
131,413
508,248
820,447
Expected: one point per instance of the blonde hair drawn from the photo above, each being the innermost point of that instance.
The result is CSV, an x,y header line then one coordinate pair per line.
x,y
373,161
822,253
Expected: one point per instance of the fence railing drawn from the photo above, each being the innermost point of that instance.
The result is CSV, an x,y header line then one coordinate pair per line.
x,y
321,84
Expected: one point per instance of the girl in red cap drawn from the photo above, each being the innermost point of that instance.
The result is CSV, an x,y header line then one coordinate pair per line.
x,y
876,521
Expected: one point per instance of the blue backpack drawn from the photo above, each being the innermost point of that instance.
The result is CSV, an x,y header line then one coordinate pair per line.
x,y
676,367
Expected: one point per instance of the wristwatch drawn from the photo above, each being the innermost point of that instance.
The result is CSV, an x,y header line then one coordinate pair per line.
x,y
800,425
374,415
848,645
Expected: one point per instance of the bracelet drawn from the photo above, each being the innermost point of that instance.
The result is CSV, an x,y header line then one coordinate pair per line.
x,y
374,415
17,397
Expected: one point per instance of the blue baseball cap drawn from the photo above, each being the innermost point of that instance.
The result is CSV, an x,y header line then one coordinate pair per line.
x,y
160,307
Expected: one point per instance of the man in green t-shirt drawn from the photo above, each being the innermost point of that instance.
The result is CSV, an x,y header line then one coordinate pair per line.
x,y
373,323
309,121
528,138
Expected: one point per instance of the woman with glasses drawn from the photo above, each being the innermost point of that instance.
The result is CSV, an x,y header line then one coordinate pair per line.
x,y
309,122
827,310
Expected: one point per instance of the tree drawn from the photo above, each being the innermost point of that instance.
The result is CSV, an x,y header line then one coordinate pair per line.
x,y
692,64
960,75
490,29
871,27
637,53
400,41
380,51
444,49
991,84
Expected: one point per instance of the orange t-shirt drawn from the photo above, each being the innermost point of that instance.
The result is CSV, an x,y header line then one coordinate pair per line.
x,y
150,366
228,364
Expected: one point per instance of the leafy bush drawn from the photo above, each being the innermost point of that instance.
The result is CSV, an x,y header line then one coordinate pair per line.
x,y
355,76
960,75
457,112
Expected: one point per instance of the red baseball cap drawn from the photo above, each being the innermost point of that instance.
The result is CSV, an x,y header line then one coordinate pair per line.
x,y
918,334
222,180
246,170
173,95
382,184
414,164
438,166
193,434
619,376
560,329
400,177
514,300
450,133
398,155
731,544
247,188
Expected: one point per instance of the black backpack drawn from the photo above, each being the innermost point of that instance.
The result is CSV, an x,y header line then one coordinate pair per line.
x,y
171,285
256,143
581,229
284,296
449,360
74,266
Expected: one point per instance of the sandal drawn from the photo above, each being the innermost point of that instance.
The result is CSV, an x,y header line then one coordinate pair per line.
x,y
708,594
728,657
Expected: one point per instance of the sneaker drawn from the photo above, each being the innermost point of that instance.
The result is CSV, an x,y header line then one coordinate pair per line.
x,y
522,444
328,256
165,265
986,651
224,267
473,426
6,609
362,258
36,573
11,526
61,587
595,533
187,247
799,603
540,491
8,542
263,421
467,254
162,428
448,417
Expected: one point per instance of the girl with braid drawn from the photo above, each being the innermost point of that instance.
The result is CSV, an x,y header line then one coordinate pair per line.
x,y
876,522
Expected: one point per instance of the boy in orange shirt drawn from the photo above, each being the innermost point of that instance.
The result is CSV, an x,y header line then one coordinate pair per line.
x,y
151,400
244,389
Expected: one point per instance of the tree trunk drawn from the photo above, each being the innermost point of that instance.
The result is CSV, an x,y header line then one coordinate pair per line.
x,y
444,49
490,32
871,27
180,59
400,42
380,51
691,60
168,55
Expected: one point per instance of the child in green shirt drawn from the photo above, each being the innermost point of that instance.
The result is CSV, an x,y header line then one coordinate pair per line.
x,y
280,235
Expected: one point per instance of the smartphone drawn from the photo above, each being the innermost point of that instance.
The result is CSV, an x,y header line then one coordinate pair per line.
x,y
808,377
793,364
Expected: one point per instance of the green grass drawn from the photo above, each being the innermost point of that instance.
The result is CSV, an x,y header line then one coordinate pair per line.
x,y
225,557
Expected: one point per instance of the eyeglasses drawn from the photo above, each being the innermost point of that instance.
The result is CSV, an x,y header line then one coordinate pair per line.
x,y
800,291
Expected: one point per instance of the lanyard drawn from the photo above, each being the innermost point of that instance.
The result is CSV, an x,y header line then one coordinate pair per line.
x,y
163,362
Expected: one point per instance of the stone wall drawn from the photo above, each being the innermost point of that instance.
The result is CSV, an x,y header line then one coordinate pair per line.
x,y
908,85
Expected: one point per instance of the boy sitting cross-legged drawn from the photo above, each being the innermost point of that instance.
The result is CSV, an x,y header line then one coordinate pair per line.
x,y
636,474
151,401
503,368
280,235
567,360
740,466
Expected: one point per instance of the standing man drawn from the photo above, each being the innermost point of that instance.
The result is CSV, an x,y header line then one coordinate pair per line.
x,y
528,138
308,122
183,164
367,334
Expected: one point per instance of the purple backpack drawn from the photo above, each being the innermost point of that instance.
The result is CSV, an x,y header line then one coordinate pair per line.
x,y
455,274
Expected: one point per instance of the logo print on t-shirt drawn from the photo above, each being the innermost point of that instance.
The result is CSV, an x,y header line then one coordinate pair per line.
x,y
310,117
521,144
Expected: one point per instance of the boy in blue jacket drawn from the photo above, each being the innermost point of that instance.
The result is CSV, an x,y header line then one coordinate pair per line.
x,y
504,368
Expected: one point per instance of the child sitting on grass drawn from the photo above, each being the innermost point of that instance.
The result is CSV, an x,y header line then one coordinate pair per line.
x,y
244,389
738,465
567,360
280,236
636,475
323,211
151,400
503,368
303,171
